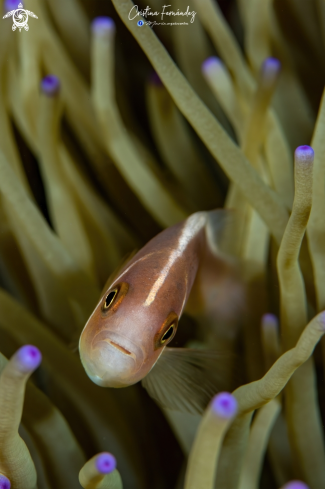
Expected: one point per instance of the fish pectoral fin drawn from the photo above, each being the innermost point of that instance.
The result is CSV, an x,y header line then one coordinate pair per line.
x,y
185,379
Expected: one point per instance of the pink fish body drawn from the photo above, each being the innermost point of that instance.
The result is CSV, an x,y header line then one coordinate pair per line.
x,y
138,314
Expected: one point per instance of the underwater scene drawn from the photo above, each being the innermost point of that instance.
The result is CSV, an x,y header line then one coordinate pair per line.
x,y
162,244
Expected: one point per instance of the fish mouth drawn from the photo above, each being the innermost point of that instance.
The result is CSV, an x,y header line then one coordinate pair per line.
x,y
121,343
113,359
119,347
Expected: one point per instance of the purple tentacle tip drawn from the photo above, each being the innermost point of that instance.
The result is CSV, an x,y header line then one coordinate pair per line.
x,y
295,485
10,5
29,358
271,65
322,319
4,482
155,80
224,405
102,25
105,463
304,153
210,64
50,85
269,319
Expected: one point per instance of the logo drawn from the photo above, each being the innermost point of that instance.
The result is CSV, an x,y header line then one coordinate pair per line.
x,y
20,17
170,14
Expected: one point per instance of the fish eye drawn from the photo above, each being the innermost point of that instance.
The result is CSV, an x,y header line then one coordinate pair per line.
x,y
114,297
167,331
110,299
168,334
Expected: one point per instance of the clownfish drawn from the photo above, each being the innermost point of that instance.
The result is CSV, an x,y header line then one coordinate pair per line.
x,y
125,339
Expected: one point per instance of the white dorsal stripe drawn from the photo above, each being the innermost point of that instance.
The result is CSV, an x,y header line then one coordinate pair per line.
x,y
191,227
116,280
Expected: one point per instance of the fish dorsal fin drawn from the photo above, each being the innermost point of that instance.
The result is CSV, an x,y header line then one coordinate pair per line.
x,y
218,230
125,260
185,379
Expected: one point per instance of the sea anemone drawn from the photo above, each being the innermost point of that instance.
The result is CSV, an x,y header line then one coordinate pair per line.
x,y
111,130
